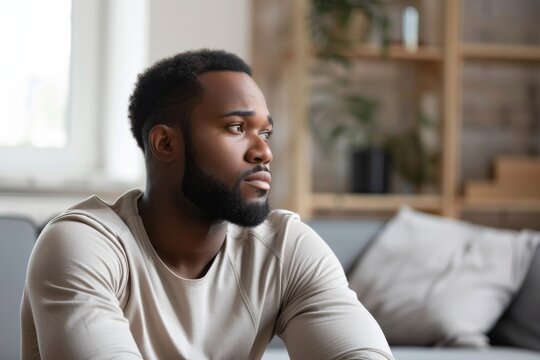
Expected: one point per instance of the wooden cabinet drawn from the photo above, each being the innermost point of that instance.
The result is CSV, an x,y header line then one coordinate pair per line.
x,y
447,60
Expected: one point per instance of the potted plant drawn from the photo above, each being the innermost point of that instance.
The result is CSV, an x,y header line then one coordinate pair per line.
x,y
341,113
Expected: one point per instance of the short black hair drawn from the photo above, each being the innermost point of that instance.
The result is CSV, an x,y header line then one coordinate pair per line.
x,y
166,92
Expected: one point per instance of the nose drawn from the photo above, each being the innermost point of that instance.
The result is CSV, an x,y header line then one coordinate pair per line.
x,y
259,151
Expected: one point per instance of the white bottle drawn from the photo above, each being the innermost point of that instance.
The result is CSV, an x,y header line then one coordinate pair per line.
x,y
410,28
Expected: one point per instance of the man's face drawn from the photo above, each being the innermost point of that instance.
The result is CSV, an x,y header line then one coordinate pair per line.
x,y
227,162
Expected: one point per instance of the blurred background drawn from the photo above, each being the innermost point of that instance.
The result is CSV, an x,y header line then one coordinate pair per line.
x,y
434,104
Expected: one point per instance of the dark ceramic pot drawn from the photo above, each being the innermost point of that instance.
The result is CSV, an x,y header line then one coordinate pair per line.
x,y
370,170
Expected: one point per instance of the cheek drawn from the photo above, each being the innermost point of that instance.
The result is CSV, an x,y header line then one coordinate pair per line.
x,y
222,158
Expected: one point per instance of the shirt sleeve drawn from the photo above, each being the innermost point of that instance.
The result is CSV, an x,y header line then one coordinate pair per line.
x,y
321,317
76,275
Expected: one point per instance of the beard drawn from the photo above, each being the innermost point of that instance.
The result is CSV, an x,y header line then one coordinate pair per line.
x,y
220,201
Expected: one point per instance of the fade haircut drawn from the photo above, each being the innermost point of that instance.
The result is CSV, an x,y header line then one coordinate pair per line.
x,y
167,92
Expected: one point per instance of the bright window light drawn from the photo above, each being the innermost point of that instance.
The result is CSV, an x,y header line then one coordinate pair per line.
x,y
34,68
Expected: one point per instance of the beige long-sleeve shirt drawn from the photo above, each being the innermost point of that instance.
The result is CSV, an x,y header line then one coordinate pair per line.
x,y
96,289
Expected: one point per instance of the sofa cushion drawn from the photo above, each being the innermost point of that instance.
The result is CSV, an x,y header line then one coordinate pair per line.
x,y
435,281
520,324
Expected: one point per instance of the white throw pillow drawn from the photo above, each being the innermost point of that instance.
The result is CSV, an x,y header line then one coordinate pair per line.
x,y
429,280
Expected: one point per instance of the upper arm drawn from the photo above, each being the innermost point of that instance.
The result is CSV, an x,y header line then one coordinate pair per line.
x,y
75,277
321,317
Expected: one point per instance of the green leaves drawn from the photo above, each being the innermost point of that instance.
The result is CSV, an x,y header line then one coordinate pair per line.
x,y
361,108
339,112
329,21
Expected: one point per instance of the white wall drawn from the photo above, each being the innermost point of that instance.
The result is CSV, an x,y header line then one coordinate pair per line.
x,y
191,24
126,55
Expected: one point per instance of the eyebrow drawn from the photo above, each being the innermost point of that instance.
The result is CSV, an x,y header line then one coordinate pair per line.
x,y
246,113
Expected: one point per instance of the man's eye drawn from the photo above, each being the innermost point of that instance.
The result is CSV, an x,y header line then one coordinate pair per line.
x,y
266,135
236,128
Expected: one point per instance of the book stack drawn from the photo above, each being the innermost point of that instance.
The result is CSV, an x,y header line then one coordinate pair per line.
x,y
515,177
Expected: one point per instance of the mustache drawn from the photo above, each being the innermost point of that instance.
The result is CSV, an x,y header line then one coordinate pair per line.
x,y
254,170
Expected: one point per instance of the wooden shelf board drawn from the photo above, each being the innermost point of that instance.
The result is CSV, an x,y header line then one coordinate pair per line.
x,y
336,201
500,52
395,52
500,204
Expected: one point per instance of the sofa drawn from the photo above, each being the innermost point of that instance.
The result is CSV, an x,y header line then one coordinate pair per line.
x,y
17,237
351,239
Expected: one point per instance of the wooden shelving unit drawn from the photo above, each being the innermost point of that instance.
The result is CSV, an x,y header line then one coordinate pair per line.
x,y
451,57
509,204
500,52
395,53
352,202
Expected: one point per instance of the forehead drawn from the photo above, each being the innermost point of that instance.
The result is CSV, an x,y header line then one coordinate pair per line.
x,y
229,88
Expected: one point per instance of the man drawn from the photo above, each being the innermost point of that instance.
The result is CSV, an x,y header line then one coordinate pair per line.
x,y
196,267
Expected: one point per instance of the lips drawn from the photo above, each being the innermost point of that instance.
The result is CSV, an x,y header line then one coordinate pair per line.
x,y
260,180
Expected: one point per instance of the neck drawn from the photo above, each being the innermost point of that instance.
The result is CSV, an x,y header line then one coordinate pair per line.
x,y
185,238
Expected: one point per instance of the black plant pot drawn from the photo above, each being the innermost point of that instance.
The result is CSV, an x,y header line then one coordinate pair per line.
x,y
370,170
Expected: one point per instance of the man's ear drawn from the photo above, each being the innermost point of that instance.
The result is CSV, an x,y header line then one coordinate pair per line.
x,y
165,143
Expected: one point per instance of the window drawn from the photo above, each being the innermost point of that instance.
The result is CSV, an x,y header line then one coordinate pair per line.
x,y
70,66
48,100
35,73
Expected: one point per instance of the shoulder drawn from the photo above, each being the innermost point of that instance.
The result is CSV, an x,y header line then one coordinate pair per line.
x,y
87,229
92,220
94,223
101,215
83,243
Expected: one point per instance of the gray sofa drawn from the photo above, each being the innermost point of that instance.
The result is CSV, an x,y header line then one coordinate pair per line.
x,y
17,236
349,239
